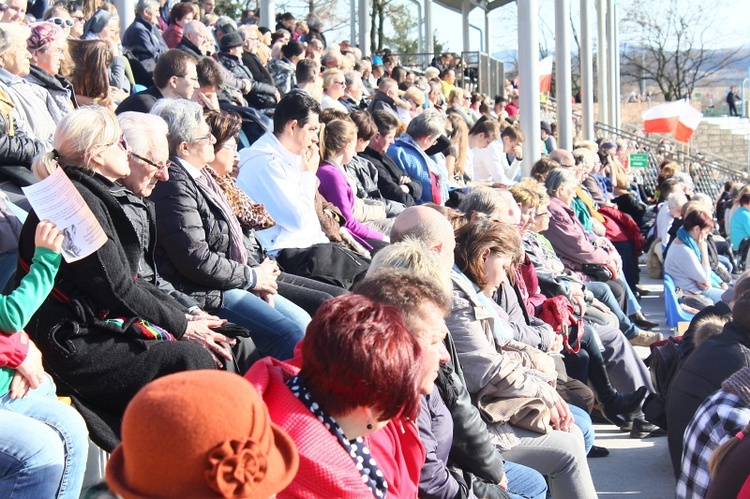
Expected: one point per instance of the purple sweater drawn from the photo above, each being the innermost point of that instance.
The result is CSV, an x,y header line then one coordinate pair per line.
x,y
337,191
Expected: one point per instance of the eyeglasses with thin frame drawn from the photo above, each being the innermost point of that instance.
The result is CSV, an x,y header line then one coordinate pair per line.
x,y
159,168
61,22
208,137
194,79
121,142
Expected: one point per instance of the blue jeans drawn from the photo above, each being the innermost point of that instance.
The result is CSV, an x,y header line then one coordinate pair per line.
x,y
602,293
726,262
275,330
713,294
633,306
43,445
524,482
583,421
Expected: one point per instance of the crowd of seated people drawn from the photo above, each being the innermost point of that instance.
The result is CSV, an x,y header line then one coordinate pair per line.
x,y
412,316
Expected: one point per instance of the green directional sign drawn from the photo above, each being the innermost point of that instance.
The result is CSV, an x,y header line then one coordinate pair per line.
x,y
639,161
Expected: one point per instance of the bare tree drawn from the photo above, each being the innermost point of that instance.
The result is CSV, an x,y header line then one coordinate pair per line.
x,y
669,43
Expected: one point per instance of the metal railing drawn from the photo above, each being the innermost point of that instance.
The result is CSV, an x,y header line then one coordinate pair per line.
x,y
708,171
708,174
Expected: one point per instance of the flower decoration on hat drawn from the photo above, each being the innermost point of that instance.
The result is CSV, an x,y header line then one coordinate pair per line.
x,y
237,467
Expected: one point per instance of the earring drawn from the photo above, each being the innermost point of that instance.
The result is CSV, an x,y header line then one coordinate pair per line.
x,y
369,425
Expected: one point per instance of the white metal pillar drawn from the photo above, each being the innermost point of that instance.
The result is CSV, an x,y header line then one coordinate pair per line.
x,y
587,69
611,70
528,71
465,9
487,32
601,61
364,27
429,39
126,11
563,85
353,22
616,72
267,14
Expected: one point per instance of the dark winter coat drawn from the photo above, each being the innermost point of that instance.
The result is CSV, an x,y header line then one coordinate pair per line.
x,y
389,175
193,246
700,375
98,364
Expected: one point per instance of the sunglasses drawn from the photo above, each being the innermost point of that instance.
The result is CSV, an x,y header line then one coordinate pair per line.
x,y
61,22
121,142
159,168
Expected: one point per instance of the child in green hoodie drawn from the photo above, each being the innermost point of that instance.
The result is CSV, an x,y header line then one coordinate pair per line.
x,y
43,443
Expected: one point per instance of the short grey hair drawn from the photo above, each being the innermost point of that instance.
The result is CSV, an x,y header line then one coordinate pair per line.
x,y
139,130
194,27
676,200
351,78
558,178
428,124
482,199
182,117
146,4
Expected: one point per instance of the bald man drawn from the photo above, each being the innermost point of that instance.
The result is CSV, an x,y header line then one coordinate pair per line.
x,y
429,227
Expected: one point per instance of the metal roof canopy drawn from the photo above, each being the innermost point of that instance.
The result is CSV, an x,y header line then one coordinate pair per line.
x,y
456,5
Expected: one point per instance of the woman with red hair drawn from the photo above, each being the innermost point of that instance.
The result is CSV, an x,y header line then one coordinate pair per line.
x,y
348,400
687,259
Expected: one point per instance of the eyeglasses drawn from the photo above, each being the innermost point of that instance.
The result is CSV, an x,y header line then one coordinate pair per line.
x,y
61,22
159,168
339,83
542,214
208,137
191,78
120,142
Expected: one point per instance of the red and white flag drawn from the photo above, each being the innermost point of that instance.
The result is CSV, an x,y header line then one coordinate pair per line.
x,y
545,75
663,118
688,122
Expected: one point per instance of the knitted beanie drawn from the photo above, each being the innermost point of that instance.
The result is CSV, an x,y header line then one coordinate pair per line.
x,y
739,384
200,434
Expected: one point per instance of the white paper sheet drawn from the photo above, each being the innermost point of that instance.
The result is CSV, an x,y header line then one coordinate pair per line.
x,y
57,200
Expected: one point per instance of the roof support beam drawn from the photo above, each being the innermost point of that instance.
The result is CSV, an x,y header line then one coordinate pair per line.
x,y
563,84
528,71
587,69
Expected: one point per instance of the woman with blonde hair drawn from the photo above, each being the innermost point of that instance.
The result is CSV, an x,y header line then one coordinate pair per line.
x,y
103,332
334,85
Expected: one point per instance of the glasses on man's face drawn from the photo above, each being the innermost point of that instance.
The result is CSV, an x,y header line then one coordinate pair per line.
x,y
61,22
159,168
208,137
190,78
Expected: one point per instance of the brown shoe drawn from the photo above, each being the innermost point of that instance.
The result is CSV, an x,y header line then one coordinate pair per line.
x,y
645,338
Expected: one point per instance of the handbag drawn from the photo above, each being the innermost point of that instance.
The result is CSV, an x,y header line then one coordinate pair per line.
x,y
596,271
558,312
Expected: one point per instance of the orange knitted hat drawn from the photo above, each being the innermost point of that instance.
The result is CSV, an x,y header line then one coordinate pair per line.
x,y
200,434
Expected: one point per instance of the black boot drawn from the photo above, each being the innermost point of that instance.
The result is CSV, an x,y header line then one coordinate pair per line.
x,y
614,404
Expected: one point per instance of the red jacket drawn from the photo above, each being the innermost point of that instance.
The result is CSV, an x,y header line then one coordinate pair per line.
x,y
628,226
13,349
325,468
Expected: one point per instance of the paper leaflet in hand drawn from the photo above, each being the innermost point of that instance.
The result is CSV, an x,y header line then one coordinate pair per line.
x,y
57,200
